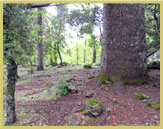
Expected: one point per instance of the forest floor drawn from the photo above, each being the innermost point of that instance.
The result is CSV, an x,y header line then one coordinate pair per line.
x,y
37,105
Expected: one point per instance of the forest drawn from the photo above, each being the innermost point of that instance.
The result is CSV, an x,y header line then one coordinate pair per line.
x,y
83,64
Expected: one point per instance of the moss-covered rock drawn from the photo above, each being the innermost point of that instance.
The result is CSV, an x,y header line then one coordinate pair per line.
x,y
90,76
87,66
93,108
141,95
152,103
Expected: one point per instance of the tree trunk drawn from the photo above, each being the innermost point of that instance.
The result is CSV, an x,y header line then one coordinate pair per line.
x,y
39,46
60,57
84,58
124,48
10,92
77,53
55,56
93,49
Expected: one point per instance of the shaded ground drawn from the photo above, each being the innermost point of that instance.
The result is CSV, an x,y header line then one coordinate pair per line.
x,y
38,105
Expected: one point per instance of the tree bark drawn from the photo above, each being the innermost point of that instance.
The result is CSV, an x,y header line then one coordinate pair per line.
x,y
10,92
39,45
124,48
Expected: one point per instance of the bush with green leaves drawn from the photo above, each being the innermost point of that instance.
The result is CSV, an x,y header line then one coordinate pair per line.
x,y
61,87
87,66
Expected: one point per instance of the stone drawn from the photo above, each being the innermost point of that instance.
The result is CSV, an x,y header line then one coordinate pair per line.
x,y
89,94
72,89
107,111
93,110
75,122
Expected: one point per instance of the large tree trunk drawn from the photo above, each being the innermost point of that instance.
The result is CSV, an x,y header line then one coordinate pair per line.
x,y
55,52
124,50
93,49
39,46
10,92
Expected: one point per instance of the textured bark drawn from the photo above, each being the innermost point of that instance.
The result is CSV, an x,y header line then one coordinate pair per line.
x,y
124,49
39,45
10,94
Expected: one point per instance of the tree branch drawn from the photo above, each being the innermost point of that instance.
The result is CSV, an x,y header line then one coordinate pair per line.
x,y
43,5
152,53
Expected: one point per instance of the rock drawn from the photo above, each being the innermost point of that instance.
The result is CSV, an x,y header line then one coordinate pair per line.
x,y
59,66
72,89
89,94
75,122
70,79
93,110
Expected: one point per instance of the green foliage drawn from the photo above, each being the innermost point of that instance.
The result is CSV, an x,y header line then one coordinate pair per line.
x,y
46,84
141,95
62,87
54,63
87,66
152,103
154,65
93,102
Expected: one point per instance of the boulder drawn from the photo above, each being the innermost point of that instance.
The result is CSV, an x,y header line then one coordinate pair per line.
x,y
93,109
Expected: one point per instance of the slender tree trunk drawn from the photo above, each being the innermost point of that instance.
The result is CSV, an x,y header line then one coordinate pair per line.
x,y
55,56
93,49
39,46
77,53
60,57
85,49
10,92
124,47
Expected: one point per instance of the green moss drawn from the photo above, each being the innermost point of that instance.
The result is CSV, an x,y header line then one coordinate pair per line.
x,y
9,91
152,103
46,84
88,66
102,77
137,82
141,95
90,76
93,102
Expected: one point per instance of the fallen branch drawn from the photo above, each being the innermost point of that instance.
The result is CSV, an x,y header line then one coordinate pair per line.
x,y
152,53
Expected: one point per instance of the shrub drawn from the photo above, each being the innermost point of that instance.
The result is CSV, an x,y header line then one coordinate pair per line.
x,y
154,65
54,63
62,87
88,66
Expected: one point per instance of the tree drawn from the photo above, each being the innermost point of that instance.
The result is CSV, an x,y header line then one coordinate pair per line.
x,y
39,45
124,48
16,32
